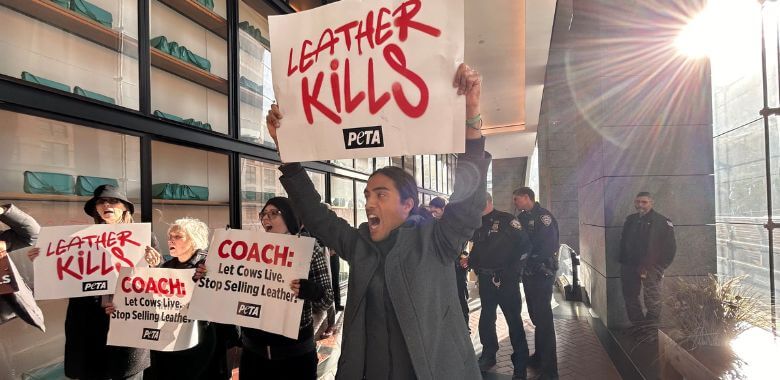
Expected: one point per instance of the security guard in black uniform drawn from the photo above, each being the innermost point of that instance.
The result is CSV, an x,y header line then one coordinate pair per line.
x,y
538,278
499,246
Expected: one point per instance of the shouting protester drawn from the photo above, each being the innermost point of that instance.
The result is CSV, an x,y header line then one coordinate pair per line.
x,y
86,324
400,318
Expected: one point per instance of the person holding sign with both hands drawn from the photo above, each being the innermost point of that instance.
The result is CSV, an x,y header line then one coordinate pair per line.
x,y
188,240
271,356
402,318
86,324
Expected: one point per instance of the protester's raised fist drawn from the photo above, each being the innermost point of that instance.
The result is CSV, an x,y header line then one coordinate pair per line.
x,y
273,122
469,83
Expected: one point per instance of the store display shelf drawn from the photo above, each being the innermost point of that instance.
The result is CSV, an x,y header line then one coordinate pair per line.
x,y
200,14
187,71
189,202
251,98
10,196
72,22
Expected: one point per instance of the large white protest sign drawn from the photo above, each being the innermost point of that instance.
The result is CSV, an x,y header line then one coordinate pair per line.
x,y
248,281
151,310
371,78
77,261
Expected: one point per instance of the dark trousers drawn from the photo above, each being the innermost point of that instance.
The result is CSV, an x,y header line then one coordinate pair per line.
x,y
651,285
334,277
255,366
538,295
508,297
463,290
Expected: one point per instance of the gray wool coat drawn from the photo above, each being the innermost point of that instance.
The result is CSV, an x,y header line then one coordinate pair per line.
x,y
418,270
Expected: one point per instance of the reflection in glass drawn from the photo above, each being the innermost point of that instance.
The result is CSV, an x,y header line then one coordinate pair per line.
x,y
255,84
188,182
189,63
342,198
92,53
40,156
360,186
259,183
364,165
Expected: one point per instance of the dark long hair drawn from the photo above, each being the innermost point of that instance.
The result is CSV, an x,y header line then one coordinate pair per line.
x,y
404,183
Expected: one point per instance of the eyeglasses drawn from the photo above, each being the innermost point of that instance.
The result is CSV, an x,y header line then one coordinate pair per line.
x,y
271,214
175,237
111,201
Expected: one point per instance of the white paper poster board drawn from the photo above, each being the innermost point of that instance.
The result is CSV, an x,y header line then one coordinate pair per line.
x,y
357,79
78,261
248,281
151,310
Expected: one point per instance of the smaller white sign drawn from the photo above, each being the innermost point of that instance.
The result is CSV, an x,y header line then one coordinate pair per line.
x,y
248,281
78,261
151,310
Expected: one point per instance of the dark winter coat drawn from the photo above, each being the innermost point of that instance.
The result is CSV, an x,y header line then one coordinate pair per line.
x,y
647,241
418,272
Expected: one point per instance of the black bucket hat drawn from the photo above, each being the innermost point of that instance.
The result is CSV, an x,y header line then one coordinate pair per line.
x,y
106,191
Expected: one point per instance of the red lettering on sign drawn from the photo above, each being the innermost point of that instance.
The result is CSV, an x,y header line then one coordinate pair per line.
x,y
376,29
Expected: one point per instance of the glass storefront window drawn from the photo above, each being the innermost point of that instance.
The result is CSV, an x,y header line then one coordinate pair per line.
x,y
67,159
92,54
188,182
418,174
409,164
259,183
382,162
397,162
189,63
364,165
439,174
342,198
426,172
346,163
360,187
255,84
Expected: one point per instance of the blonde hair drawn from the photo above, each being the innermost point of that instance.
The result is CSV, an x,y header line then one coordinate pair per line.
x,y
197,231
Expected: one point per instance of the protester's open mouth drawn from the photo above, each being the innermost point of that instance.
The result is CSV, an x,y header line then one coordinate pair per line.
x,y
171,248
373,221
108,212
267,227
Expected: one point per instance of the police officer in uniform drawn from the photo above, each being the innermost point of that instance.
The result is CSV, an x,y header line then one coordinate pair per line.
x,y
499,245
647,248
538,278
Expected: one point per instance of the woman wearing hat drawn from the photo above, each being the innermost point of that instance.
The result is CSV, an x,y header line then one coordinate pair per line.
x,y
271,356
86,324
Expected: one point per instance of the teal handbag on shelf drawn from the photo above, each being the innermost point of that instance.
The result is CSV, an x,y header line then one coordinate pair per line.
x,y
48,183
93,95
192,122
86,185
175,191
254,33
91,11
250,85
207,3
173,48
46,82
